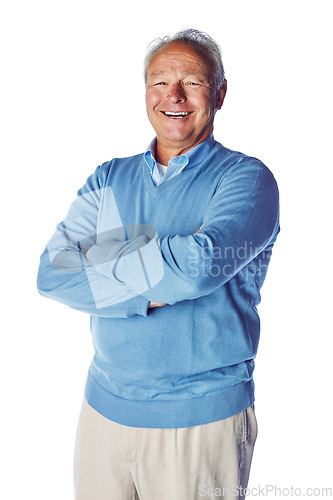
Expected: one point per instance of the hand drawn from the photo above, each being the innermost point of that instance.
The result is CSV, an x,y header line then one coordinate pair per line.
x,y
155,304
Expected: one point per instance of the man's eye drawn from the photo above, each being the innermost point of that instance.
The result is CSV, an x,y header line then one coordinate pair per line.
x,y
192,84
160,83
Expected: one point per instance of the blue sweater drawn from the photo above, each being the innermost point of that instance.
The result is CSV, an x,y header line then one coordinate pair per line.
x,y
200,242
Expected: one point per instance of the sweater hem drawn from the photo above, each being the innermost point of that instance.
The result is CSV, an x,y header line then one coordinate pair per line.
x,y
172,414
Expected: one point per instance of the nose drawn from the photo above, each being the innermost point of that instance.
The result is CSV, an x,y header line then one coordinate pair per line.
x,y
176,93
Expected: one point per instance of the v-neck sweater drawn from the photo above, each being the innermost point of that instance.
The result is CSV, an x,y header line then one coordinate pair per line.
x,y
211,229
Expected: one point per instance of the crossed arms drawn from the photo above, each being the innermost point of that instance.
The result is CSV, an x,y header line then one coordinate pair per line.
x,y
112,276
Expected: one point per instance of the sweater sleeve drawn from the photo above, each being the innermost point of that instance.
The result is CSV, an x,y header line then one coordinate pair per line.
x,y
66,275
241,220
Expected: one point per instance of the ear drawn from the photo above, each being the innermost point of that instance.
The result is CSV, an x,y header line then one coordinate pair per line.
x,y
221,95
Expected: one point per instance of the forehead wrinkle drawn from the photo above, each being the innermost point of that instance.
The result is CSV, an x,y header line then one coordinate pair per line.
x,y
189,73
181,71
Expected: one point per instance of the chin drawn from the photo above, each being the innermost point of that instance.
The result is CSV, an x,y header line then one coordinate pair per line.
x,y
177,137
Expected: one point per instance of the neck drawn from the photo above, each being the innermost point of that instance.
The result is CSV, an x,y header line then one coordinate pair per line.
x,y
164,153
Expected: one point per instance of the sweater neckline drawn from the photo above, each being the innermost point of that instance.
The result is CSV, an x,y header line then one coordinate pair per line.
x,y
154,190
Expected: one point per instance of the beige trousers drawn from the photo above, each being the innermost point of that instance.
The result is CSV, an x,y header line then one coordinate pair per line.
x,y
116,462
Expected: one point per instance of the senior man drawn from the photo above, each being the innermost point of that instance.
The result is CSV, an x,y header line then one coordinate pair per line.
x,y
167,251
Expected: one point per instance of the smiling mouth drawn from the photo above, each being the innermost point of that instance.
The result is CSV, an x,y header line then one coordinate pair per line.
x,y
177,114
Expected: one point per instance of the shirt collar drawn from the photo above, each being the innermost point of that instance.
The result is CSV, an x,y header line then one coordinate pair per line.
x,y
189,159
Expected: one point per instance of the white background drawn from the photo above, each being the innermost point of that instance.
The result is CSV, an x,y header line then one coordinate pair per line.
x,y
73,97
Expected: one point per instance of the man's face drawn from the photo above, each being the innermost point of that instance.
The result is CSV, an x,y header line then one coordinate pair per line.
x,y
180,98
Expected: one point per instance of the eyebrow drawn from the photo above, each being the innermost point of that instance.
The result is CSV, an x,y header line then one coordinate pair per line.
x,y
157,73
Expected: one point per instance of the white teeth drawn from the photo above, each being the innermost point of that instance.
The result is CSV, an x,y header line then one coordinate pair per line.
x,y
179,113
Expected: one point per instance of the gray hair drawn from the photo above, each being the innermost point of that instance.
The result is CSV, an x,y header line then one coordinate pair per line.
x,y
199,41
